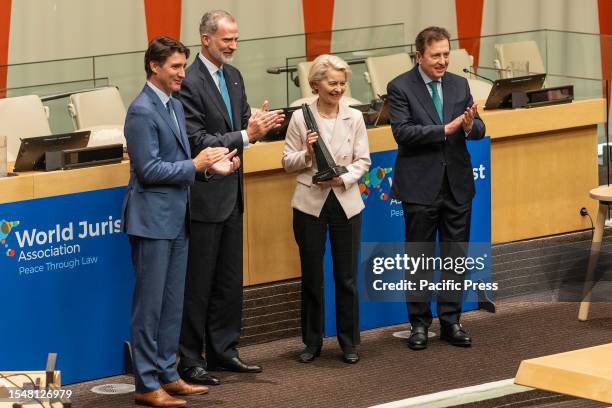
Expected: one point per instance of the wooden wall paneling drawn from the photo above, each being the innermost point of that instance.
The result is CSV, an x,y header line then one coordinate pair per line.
x,y
540,182
273,253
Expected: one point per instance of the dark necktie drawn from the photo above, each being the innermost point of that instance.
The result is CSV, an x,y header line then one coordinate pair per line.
x,y
435,96
170,110
225,95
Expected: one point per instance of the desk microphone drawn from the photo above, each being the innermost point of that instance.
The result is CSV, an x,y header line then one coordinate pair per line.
x,y
467,71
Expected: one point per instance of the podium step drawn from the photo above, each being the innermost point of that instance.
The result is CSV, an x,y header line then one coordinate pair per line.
x,y
584,373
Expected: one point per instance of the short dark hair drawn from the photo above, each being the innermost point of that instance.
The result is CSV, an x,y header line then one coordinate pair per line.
x,y
160,48
429,35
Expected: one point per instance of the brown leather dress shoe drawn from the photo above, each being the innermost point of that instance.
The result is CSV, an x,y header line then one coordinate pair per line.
x,y
180,387
158,398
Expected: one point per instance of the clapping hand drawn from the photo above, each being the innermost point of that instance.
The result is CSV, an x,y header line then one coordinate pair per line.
x,y
468,118
208,157
262,121
227,165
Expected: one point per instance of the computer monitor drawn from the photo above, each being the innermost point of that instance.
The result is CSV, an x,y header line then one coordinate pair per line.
x,y
280,132
31,155
501,93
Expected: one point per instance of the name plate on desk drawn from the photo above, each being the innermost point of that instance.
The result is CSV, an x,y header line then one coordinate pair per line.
x,y
83,157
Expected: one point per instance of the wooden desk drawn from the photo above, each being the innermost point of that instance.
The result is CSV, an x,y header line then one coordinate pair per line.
x,y
544,162
30,185
543,165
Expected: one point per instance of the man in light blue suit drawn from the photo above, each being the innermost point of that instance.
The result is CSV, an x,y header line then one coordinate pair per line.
x,y
156,218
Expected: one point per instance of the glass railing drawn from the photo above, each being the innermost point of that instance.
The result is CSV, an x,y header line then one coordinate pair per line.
x,y
279,88
254,57
562,52
567,54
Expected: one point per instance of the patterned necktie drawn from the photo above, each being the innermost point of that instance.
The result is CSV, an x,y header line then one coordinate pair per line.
x,y
435,96
225,95
170,110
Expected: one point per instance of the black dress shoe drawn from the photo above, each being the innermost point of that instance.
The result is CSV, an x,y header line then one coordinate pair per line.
x,y
350,356
455,335
236,365
310,353
418,338
197,375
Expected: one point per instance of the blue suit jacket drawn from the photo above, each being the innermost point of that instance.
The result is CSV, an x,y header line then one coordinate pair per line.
x,y
161,170
424,155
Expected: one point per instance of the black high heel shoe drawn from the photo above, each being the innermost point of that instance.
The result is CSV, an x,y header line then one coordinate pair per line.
x,y
310,353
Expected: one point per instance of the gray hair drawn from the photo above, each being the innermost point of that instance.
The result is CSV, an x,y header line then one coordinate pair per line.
x,y
324,63
210,21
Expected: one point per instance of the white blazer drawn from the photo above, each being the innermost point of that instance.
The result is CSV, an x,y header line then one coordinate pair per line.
x,y
348,146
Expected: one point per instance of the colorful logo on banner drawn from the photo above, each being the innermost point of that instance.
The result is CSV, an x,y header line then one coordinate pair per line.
x,y
5,230
378,181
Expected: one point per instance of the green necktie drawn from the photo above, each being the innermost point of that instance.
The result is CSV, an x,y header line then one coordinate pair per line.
x,y
225,95
435,96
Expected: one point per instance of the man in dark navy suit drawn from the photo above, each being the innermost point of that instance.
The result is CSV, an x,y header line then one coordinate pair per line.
x,y
432,116
217,114
156,217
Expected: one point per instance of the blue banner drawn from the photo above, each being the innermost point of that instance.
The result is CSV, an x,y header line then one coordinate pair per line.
x,y
383,221
66,284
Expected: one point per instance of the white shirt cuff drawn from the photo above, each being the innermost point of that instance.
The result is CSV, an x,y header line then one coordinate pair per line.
x,y
245,138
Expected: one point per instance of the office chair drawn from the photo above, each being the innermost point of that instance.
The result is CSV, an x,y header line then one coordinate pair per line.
x,y
508,53
381,70
101,111
22,117
458,60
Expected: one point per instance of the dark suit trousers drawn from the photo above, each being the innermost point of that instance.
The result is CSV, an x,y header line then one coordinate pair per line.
x,y
345,235
213,292
451,221
157,305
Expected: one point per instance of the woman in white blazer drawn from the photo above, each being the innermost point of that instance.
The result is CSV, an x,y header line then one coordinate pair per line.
x,y
335,204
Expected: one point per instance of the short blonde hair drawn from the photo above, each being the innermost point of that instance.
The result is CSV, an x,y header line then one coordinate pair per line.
x,y
324,63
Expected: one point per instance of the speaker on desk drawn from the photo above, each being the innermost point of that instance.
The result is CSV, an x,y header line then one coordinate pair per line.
x,y
83,157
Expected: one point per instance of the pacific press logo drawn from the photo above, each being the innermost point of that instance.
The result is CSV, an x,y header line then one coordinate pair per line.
x,y
5,230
